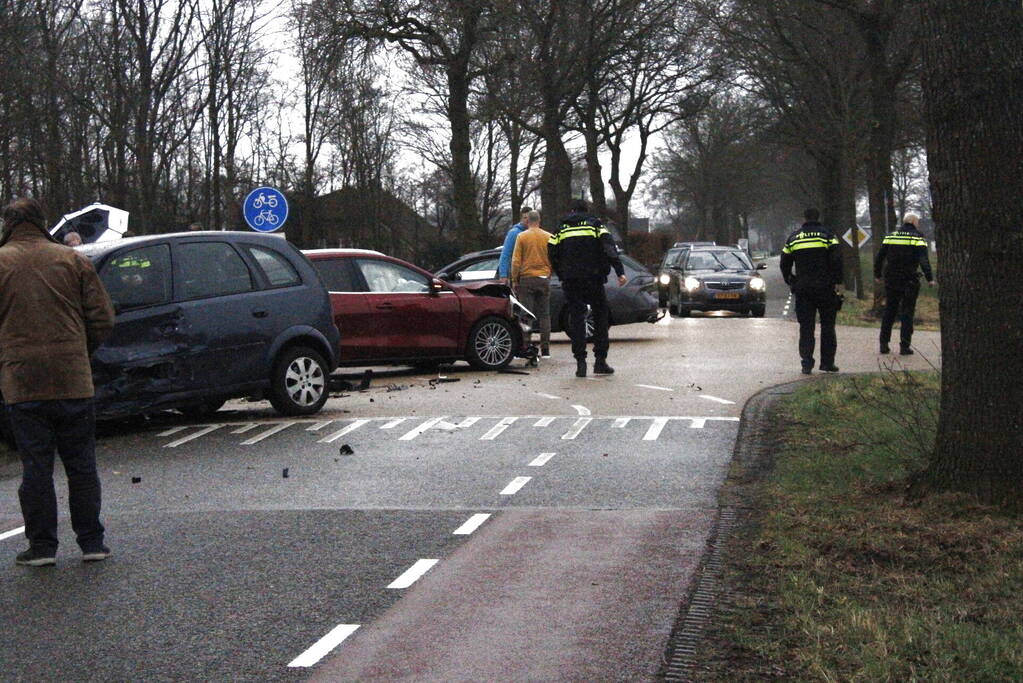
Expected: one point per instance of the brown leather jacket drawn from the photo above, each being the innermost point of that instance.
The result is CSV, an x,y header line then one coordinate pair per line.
x,y
54,312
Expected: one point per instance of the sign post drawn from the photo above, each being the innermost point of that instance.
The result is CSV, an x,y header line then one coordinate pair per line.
x,y
265,209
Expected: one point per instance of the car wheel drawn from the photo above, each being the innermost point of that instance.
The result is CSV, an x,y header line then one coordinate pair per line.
x,y
758,311
298,385
202,409
590,325
491,344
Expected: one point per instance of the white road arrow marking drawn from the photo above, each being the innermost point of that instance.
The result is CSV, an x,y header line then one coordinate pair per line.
x,y
717,400
582,410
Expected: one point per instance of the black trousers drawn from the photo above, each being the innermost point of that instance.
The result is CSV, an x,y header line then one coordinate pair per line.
x,y
578,295
900,302
69,428
809,304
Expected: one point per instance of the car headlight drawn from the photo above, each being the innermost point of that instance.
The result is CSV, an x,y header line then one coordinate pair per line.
x,y
757,284
692,284
665,279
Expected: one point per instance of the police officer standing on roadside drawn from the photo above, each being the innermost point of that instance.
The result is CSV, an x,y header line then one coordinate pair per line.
x,y
902,253
582,253
815,253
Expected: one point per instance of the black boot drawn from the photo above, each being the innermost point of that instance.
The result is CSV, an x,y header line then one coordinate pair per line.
x,y
580,367
904,350
829,367
884,348
600,367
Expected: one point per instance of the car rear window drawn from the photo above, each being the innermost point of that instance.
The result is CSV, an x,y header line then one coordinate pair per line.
x,y
278,270
139,277
211,269
337,275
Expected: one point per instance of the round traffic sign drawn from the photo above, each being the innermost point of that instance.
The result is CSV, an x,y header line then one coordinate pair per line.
x,y
265,209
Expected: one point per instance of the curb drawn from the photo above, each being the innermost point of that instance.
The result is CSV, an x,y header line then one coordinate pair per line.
x,y
697,607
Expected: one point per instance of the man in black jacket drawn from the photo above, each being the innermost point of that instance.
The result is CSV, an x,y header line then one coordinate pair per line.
x,y
582,252
815,253
902,253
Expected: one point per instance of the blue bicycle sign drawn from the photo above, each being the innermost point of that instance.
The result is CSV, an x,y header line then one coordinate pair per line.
x,y
265,209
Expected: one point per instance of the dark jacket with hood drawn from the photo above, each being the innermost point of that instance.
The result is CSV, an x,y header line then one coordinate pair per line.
x,y
817,257
54,312
902,255
583,249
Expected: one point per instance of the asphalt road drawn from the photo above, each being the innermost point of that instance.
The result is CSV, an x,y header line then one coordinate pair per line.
x,y
582,508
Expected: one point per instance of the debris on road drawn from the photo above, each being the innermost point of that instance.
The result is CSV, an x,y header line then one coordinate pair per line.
x,y
367,377
397,387
346,450
509,371
136,480
284,474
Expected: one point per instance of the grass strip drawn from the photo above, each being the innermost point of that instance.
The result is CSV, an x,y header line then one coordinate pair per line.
x,y
833,575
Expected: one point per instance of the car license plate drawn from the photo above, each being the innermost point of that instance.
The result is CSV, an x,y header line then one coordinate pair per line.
x,y
728,295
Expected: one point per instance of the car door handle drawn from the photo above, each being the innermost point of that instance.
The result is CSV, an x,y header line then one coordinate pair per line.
x,y
385,306
259,313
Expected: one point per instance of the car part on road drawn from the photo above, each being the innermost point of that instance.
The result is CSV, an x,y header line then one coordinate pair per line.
x,y
491,344
299,382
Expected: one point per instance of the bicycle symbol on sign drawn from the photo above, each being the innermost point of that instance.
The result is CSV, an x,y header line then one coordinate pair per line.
x,y
262,200
266,216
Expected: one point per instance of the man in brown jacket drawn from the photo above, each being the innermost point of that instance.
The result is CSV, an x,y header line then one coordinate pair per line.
x,y
54,313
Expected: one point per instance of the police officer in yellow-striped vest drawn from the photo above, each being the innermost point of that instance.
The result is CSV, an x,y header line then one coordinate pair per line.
x,y
902,255
815,253
582,252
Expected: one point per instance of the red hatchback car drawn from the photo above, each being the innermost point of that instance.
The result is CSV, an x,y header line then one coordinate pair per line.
x,y
392,312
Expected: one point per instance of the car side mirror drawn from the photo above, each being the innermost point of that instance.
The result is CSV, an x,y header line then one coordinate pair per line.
x,y
437,286
761,266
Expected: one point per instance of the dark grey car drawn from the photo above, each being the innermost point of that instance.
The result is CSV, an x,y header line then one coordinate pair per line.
x,y
636,302
207,316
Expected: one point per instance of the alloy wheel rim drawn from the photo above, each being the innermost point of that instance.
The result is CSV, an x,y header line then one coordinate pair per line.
x,y
304,381
493,344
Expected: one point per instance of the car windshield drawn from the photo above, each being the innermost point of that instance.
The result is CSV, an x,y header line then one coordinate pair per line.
x,y
718,261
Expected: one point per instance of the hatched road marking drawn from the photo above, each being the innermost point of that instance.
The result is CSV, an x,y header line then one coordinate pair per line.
x,y
191,437
541,460
515,485
268,433
341,432
471,524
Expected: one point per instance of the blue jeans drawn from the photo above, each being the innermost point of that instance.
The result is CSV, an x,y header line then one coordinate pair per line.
x,y
69,428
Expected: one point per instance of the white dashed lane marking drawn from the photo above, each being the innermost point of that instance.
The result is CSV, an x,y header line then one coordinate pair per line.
x,y
391,424
323,646
655,388
173,430
577,428
515,485
412,574
541,460
12,533
471,524
268,433
343,431
545,421
408,436
656,427
192,437
498,428
550,396
621,423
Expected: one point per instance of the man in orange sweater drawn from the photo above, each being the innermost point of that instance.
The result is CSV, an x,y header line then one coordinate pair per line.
x,y
531,276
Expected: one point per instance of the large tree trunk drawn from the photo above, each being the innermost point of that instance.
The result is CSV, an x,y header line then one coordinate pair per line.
x,y
838,189
880,184
556,179
973,86
470,230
